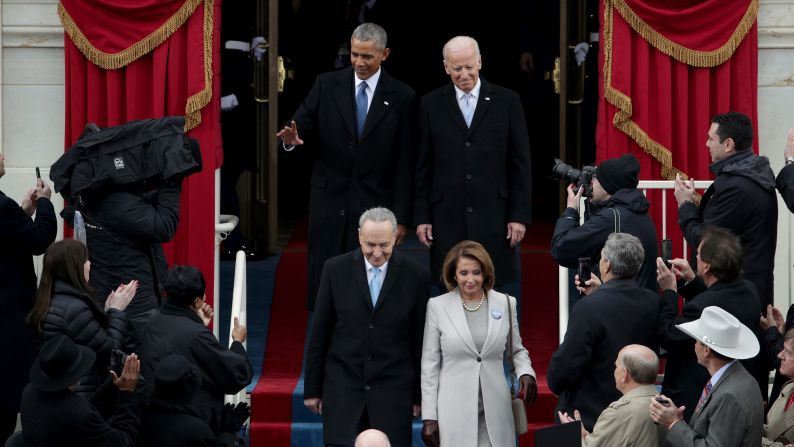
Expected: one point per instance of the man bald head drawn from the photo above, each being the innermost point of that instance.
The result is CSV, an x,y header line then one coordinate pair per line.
x,y
636,365
372,438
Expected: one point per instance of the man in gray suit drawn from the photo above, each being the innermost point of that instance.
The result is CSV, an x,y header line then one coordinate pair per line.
x,y
731,409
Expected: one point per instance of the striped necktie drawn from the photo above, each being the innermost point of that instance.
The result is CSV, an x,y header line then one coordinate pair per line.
x,y
703,396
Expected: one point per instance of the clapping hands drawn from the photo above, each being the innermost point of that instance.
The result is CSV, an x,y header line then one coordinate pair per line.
x,y
121,297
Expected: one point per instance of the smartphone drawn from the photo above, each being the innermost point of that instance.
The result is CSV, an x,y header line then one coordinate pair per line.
x,y
38,173
584,270
667,250
663,401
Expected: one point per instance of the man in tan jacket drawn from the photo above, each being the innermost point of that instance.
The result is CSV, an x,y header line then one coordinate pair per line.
x,y
626,421
780,430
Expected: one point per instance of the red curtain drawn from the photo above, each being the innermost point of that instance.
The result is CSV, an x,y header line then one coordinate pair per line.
x,y
667,67
136,59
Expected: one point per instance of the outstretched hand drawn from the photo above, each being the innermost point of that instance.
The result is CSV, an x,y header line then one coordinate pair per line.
x,y
289,135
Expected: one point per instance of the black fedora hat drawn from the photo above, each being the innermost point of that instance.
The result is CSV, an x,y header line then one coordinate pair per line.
x,y
176,379
60,363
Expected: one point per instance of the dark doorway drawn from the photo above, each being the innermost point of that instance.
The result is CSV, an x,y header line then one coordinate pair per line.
x,y
311,32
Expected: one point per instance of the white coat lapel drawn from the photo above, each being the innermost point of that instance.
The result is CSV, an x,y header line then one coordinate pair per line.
x,y
497,307
454,310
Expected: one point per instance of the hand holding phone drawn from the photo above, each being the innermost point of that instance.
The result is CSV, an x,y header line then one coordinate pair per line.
x,y
584,269
667,250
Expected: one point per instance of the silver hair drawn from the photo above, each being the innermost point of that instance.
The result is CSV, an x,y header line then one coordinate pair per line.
x,y
624,253
641,364
459,42
378,214
370,31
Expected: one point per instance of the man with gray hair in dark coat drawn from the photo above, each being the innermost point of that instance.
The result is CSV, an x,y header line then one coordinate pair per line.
x,y
612,315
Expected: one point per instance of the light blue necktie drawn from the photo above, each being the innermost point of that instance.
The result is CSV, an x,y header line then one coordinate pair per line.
x,y
374,285
361,108
468,108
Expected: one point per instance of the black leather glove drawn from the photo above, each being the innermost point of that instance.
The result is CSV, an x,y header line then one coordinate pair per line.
x,y
430,433
234,416
529,387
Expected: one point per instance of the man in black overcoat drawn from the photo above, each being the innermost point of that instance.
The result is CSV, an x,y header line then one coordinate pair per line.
x,y
717,283
473,176
616,314
21,237
365,145
363,359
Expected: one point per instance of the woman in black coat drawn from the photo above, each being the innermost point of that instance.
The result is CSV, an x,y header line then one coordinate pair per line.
x,y
64,304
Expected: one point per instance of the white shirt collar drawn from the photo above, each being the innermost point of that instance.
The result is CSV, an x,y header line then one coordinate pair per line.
x,y
368,268
475,92
372,82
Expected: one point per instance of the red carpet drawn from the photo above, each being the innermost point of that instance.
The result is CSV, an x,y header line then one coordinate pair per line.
x,y
271,400
539,320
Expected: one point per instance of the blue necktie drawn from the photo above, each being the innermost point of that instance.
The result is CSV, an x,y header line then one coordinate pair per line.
x,y
468,108
361,108
374,285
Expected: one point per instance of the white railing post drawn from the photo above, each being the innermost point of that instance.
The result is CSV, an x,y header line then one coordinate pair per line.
x,y
239,310
225,223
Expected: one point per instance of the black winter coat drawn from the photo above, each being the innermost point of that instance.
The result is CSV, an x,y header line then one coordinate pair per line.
x,y
124,230
177,330
742,199
20,238
76,315
63,419
352,175
582,369
684,378
472,181
168,425
626,211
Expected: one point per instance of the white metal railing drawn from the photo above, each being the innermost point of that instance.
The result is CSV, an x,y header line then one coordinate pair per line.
x,y
239,306
666,186
225,223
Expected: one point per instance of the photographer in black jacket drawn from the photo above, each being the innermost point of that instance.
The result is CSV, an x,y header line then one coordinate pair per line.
x,y
617,206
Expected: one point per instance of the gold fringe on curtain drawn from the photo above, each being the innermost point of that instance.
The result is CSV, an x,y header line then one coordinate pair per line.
x,y
198,101
114,61
622,119
702,59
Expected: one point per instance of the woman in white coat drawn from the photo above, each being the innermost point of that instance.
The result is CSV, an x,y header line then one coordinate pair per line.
x,y
465,398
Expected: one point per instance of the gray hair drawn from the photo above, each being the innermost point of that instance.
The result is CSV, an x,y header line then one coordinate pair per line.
x,y
458,43
624,253
370,31
379,214
641,363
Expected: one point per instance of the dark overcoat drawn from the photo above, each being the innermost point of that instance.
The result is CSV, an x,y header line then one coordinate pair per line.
x,y
360,356
472,181
352,175
582,369
743,200
178,330
20,238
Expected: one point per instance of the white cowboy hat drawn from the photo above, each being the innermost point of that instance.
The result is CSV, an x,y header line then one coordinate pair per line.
x,y
722,332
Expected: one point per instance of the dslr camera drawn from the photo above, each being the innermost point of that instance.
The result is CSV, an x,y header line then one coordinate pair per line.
x,y
582,178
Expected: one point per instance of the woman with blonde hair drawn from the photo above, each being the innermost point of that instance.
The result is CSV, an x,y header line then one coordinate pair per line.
x,y
465,398
65,304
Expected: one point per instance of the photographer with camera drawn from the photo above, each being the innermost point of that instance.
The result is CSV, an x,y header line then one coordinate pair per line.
x,y
615,206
